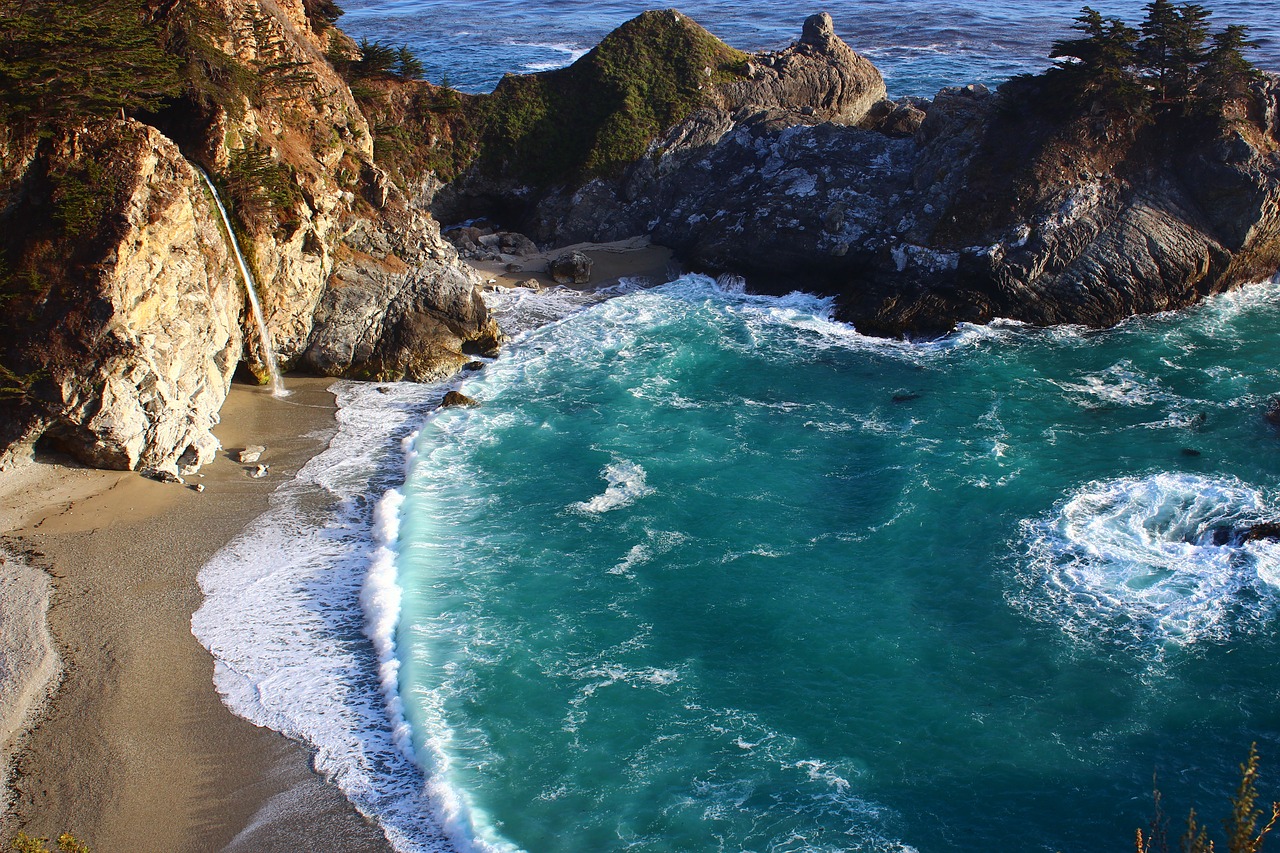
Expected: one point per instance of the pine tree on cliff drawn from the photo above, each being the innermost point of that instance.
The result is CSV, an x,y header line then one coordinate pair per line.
x,y
1227,75
408,66
1186,49
1155,49
1098,70
1172,49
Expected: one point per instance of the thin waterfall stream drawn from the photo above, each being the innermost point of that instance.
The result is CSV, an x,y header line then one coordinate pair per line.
x,y
268,351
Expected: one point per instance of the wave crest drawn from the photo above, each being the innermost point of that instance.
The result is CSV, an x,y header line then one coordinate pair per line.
x,y
1153,562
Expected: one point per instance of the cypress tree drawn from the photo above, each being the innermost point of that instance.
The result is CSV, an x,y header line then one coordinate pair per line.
x,y
408,66
1227,74
1186,48
375,58
1100,72
1155,49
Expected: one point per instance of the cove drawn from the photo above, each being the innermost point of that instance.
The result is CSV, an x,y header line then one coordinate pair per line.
x,y
711,571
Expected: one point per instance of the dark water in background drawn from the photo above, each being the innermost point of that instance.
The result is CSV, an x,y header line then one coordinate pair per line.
x,y
919,46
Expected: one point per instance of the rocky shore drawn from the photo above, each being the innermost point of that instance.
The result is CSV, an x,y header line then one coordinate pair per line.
x,y
921,214
126,320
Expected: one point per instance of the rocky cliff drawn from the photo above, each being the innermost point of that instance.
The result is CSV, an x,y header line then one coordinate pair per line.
x,y
817,79
983,214
125,315
125,318
921,214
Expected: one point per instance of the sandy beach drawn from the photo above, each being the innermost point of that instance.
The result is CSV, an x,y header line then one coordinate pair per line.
x,y
110,724
634,258
136,751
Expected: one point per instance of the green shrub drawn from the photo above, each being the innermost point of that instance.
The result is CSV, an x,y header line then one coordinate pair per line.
x,y
601,113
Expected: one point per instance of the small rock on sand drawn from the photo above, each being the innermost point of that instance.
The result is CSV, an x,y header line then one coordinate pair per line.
x,y
250,454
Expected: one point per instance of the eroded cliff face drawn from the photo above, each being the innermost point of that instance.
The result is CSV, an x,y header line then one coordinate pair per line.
x,y
126,313
978,215
918,215
127,357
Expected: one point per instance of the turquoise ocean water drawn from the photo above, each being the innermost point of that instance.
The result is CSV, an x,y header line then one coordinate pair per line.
x,y
710,572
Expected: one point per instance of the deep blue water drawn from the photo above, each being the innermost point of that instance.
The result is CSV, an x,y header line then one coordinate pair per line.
x,y
918,46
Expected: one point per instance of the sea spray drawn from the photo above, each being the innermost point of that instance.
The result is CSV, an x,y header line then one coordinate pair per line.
x,y
264,336
283,619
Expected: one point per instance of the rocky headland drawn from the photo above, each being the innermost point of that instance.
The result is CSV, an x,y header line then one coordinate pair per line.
x,y
920,214
125,315
126,318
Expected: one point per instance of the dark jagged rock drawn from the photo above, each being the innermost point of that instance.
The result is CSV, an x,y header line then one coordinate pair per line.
x,y
453,399
1272,414
1267,531
918,215
571,268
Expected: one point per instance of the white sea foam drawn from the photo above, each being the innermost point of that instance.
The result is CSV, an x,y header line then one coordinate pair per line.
x,y
1121,384
283,619
566,54
1151,562
626,486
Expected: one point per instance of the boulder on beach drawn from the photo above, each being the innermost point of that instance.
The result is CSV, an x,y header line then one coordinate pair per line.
x,y
250,454
571,268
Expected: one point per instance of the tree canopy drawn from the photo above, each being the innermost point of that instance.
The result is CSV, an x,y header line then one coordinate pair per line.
x,y
1170,61
78,58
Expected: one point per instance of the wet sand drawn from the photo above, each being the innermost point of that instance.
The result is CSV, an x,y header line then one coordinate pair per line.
x,y
136,750
634,258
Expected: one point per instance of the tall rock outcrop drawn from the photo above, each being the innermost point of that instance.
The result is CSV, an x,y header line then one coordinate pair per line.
x,y
590,195
125,353
796,172
125,312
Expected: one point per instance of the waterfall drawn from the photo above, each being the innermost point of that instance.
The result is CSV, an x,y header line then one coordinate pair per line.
x,y
268,352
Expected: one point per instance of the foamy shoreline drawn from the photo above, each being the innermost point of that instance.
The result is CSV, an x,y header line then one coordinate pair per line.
x,y
168,766
136,750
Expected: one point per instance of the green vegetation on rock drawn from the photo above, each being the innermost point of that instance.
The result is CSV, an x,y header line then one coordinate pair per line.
x,y
565,126
80,58
601,113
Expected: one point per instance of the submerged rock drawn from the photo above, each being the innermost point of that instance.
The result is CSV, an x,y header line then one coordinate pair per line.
x,y
457,398
1272,414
